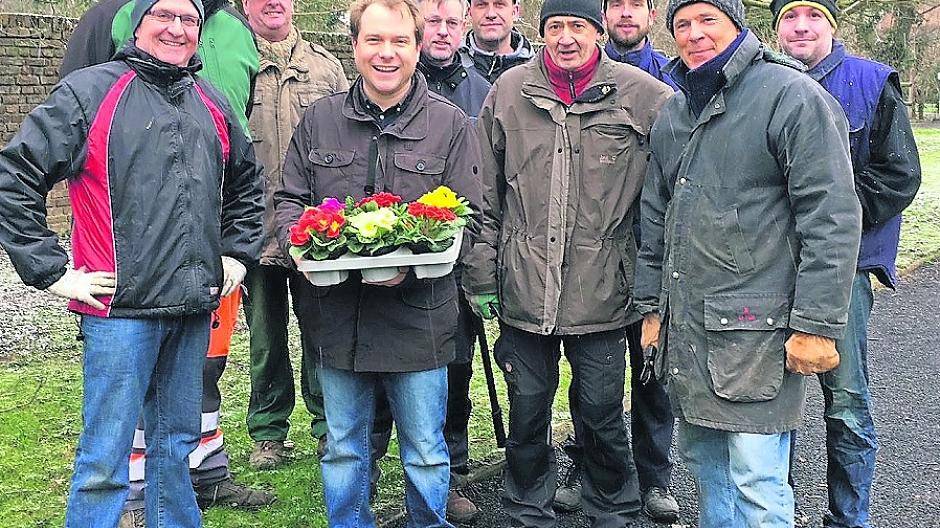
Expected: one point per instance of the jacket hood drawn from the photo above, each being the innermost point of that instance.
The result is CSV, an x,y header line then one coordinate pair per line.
x,y
521,47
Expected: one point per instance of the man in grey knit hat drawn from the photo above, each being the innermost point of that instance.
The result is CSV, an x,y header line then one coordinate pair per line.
x,y
744,287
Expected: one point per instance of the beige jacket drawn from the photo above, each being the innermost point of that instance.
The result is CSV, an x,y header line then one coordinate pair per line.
x,y
280,99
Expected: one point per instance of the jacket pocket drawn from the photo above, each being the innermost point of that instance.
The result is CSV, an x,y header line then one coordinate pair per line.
x,y
331,158
745,334
734,238
430,294
416,173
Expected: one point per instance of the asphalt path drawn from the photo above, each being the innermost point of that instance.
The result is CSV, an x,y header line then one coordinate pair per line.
x,y
904,364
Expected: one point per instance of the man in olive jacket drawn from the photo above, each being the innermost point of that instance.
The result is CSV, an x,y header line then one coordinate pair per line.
x,y
293,74
564,153
750,233
388,133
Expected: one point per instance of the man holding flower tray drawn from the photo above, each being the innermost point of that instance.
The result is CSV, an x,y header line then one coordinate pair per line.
x,y
387,135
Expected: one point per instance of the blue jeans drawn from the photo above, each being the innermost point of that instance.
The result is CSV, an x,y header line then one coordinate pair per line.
x,y
741,477
129,364
851,444
418,401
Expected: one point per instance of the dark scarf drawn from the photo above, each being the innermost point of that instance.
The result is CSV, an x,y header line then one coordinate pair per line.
x,y
702,83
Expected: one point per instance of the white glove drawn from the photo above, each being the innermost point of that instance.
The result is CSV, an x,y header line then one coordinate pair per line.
x,y
82,286
233,273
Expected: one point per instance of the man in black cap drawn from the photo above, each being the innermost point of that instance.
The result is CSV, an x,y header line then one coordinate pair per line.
x,y
564,155
744,285
167,209
886,171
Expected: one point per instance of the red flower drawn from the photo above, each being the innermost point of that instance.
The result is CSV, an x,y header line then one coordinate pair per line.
x,y
420,210
299,235
382,199
336,225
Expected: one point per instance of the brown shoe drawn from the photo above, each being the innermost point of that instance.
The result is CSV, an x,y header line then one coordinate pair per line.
x,y
230,493
133,519
460,509
268,454
321,446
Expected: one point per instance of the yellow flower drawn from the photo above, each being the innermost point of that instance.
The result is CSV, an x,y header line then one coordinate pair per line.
x,y
440,197
374,223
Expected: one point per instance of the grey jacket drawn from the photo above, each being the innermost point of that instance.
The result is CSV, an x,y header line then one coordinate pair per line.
x,y
750,229
559,186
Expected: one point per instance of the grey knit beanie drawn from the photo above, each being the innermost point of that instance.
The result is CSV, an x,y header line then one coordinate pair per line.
x,y
142,7
733,8
589,10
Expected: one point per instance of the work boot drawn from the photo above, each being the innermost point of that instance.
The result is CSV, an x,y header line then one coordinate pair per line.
x,y
233,495
660,505
460,509
267,454
568,493
133,519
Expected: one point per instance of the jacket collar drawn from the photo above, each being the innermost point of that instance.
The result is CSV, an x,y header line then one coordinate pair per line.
x,y
521,47
537,88
829,63
297,66
157,72
414,121
638,58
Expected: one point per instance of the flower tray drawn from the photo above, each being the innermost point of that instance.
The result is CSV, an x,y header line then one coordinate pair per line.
x,y
383,267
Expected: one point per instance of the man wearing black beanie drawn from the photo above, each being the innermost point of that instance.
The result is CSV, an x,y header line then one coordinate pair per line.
x,y
886,172
745,284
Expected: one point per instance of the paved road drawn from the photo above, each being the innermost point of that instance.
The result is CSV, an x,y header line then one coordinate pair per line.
x,y
905,378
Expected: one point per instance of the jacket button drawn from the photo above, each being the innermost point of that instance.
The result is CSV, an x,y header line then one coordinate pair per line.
x,y
770,321
552,239
420,165
724,320
675,371
328,158
682,181
675,274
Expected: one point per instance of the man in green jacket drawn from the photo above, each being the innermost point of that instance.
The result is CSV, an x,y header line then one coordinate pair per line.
x,y
294,73
748,274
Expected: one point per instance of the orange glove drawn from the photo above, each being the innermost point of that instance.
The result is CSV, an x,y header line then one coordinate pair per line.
x,y
811,354
650,331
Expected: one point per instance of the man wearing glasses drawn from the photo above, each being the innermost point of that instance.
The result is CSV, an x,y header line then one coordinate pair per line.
x,y
167,211
230,64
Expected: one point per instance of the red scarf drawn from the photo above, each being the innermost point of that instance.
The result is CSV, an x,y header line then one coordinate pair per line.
x,y
568,85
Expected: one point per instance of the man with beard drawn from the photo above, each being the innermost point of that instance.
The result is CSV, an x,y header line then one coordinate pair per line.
x,y
444,25
492,45
628,24
887,175
230,63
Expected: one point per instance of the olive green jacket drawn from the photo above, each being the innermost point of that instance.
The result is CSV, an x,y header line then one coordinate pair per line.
x,y
560,185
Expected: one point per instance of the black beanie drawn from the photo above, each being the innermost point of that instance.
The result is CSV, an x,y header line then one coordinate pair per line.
x,y
142,7
733,8
589,10
829,8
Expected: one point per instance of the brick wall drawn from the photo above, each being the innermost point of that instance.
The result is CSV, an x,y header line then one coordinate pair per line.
x,y
31,49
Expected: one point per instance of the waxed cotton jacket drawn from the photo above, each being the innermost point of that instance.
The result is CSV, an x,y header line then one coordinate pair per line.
x,y
560,184
339,150
750,231
280,99
162,182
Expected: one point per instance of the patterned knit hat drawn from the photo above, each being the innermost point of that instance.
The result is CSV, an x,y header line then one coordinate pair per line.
x,y
829,8
733,8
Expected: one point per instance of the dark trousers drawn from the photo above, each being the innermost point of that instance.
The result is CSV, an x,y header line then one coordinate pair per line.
x,y
459,406
610,491
272,378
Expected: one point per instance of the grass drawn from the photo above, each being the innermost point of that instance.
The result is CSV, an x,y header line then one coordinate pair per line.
x,y
40,408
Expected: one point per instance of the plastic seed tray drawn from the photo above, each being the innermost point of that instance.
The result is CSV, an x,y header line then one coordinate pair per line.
x,y
382,267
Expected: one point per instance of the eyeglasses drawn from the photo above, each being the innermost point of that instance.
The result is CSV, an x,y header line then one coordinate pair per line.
x,y
452,24
166,17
